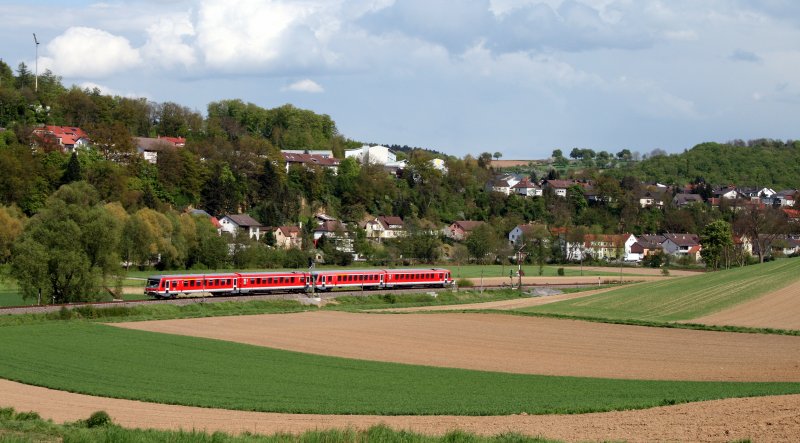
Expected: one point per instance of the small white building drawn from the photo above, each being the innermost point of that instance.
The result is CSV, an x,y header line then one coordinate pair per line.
x,y
372,154
233,223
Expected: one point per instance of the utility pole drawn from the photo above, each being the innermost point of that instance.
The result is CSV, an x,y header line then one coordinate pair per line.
x,y
36,72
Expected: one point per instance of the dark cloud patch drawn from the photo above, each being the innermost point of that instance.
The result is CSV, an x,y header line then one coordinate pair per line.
x,y
740,55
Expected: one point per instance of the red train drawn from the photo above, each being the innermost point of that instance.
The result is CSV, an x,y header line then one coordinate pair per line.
x,y
242,283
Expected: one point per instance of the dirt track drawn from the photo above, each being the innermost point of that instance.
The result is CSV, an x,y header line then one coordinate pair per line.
x,y
779,309
504,305
764,419
505,343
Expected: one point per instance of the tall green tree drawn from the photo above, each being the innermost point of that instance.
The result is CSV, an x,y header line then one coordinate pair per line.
x,y
716,241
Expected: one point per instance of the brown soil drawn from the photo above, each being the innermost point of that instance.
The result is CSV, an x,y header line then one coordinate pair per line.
x,y
504,343
779,309
764,419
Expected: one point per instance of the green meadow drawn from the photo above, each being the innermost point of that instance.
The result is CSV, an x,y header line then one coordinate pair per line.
x,y
681,298
97,359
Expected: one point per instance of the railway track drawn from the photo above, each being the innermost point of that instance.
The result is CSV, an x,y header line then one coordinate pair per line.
x,y
300,297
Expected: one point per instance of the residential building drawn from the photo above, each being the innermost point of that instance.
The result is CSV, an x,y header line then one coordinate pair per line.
x,y
601,247
310,161
527,188
287,237
727,193
559,187
149,147
681,200
384,227
334,231
520,233
460,230
373,154
234,223
66,138
682,245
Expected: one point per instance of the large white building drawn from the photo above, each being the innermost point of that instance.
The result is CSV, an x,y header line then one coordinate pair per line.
x,y
373,154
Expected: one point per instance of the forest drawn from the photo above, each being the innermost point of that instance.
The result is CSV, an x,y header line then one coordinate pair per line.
x,y
83,216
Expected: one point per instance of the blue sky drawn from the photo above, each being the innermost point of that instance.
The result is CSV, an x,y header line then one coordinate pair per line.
x,y
522,77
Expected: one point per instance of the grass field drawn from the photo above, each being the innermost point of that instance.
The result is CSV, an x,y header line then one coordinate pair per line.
x,y
91,358
681,299
29,427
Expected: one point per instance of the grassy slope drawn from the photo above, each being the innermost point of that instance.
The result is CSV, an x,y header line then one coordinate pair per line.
x,y
684,298
103,360
29,427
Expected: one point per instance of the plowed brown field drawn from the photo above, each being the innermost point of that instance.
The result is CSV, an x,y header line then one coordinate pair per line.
x,y
505,343
779,309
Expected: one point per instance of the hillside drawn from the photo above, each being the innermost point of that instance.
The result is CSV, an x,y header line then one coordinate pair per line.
x,y
757,163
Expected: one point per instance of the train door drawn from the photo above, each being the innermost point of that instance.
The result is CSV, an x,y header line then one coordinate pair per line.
x,y
382,281
235,283
166,288
323,282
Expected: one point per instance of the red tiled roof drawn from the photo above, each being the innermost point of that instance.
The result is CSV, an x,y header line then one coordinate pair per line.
x,y
67,135
314,159
177,141
468,225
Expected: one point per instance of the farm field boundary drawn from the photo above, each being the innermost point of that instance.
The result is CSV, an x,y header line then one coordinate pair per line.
x,y
114,362
772,418
684,298
511,344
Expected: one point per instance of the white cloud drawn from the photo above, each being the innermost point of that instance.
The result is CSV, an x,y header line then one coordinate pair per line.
x,y
111,91
306,85
89,53
165,44
258,36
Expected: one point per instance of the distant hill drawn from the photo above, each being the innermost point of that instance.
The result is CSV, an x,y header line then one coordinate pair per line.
x,y
771,163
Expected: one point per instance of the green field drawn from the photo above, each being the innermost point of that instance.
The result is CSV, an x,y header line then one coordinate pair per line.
x,y
681,299
103,360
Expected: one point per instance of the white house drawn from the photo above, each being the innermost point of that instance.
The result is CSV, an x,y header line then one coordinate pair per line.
x,y
527,188
233,223
384,227
373,154
601,247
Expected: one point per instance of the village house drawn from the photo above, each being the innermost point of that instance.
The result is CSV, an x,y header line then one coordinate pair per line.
x,y
559,187
287,237
527,188
149,147
334,231
601,247
683,199
460,230
372,154
66,138
384,227
234,223
310,160
681,245
522,232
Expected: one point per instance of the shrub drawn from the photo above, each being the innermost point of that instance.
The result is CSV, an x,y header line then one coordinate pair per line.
x,y
665,272
99,418
561,272
464,283
22,416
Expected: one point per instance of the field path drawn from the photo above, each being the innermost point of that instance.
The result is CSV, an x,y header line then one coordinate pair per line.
x,y
763,419
505,343
779,309
503,305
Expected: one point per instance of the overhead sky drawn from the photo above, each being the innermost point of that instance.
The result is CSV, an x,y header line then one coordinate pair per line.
x,y
520,77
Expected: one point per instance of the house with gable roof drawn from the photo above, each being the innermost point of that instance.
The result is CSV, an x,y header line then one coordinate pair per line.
x,y
287,237
682,245
311,160
461,229
67,138
385,227
234,223
527,188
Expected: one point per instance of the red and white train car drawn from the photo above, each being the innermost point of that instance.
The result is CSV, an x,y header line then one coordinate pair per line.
x,y
169,286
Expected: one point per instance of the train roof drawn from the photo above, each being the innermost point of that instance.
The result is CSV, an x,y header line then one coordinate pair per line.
x,y
345,271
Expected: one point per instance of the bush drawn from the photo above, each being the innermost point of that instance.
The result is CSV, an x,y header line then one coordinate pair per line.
x,y
464,283
665,272
561,272
99,418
